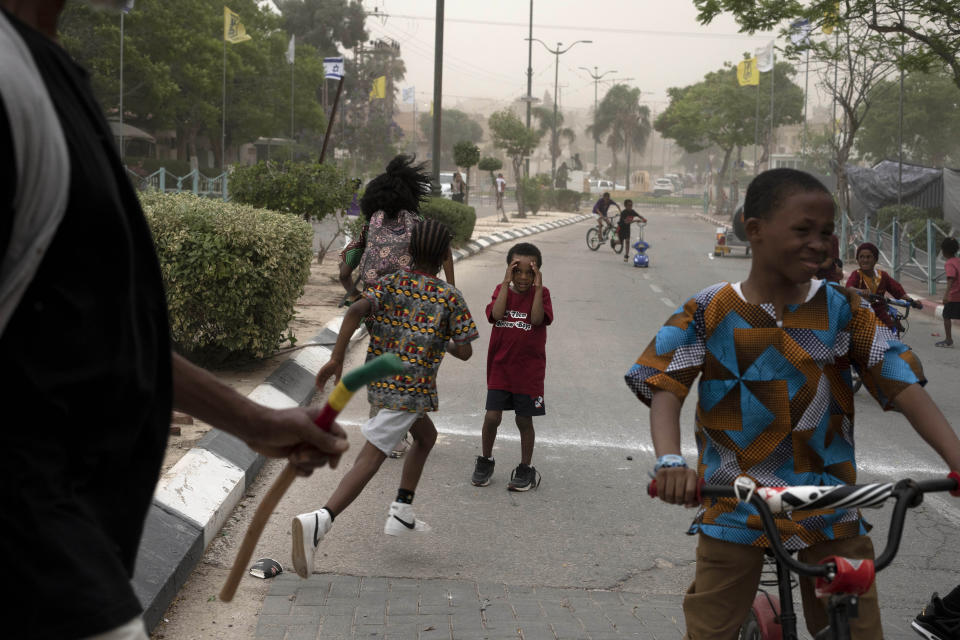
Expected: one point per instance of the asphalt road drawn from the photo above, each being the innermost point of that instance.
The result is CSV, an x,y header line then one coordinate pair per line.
x,y
590,523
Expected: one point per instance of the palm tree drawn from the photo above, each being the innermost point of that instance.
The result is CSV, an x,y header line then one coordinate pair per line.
x,y
623,121
544,116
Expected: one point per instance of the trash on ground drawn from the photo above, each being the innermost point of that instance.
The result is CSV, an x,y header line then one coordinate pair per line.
x,y
265,568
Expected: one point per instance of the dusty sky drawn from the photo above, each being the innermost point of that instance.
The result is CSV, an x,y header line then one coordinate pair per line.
x,y
656,43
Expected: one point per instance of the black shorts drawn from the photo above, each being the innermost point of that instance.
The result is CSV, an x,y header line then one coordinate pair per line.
x,y
951,311
522,405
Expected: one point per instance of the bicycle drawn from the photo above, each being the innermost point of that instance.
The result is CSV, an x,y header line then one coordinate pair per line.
x,y
597,236
900,325
843,580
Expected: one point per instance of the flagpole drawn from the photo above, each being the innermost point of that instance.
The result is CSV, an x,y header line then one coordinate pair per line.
x,y
756,128
121,86
223,113
292,136
806,85
333,115
773,77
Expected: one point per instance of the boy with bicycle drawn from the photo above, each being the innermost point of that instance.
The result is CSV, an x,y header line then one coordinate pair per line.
x,y
775,404
600,209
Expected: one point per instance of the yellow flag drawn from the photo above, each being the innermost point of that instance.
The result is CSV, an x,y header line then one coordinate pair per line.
x,y
747,73
831,19
233,30
431,108
379,89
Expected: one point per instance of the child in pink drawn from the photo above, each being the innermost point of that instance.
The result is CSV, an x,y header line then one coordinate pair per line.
x,y
516,362
951,296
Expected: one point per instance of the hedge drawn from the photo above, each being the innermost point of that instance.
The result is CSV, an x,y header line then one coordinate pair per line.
x,y
232,274
561,199
459,217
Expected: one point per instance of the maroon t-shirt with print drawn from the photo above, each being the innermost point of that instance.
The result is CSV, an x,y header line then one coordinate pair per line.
x,y
517,357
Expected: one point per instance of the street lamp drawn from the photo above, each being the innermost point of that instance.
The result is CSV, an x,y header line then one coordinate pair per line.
x,y
556,81
596,82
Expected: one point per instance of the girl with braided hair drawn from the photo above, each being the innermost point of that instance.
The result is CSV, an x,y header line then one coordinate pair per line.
x,y
391,206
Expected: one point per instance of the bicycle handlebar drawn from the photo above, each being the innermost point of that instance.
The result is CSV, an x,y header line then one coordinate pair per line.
x,y
770,500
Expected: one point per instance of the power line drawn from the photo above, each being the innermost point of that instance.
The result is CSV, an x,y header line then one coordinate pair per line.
x,y
581,28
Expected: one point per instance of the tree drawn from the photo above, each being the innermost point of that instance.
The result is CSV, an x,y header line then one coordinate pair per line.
x,y
929,25
324,24
623,121
511,135
173,66
544,116
457,126
466,154
717,111
931,121
490,164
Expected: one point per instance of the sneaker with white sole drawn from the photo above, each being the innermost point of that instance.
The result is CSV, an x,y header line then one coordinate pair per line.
x,y
308,530
524,478
936,622
402,520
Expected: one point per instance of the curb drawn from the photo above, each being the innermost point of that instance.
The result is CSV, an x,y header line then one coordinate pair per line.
x,y
194,498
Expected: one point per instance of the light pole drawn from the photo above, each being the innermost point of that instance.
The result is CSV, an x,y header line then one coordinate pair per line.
x,y
596,83
556,81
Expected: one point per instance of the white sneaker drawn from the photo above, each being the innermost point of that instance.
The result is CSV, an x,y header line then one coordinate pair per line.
x,y
401,520
308,530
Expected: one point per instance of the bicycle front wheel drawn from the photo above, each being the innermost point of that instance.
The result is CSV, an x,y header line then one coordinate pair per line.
x,y
616,244
593,239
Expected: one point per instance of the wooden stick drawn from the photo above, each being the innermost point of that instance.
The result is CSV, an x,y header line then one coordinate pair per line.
x,y
250,538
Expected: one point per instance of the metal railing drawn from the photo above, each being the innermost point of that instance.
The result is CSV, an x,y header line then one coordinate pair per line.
x,y
898,254
194,182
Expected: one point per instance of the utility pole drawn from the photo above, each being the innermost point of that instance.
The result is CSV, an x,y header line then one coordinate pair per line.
x,y
437,91
596,83
529,98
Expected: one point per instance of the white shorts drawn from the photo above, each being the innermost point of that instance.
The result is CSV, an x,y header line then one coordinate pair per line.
x,y
386,429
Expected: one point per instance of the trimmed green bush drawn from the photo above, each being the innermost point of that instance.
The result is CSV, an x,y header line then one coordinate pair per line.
x,y
917,219
459,217
566,200
304,188
532,194
232,274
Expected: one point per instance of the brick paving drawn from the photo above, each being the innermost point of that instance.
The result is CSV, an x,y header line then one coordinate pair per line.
x,y
338,607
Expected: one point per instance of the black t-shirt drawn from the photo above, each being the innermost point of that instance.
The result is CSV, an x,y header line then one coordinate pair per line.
x,y
85,376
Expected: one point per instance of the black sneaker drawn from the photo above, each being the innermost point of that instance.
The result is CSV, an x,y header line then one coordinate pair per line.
x,y
936,622
523,478
483,471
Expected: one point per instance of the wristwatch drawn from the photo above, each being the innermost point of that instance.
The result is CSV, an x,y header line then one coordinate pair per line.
x,y
669,460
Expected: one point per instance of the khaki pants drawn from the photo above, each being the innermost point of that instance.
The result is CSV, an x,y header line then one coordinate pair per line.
x,y
727,578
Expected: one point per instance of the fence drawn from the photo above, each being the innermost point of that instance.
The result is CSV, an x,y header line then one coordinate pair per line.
x,y
195,182
901,256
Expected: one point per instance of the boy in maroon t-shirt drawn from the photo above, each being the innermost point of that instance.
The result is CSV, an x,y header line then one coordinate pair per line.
x,y
516,362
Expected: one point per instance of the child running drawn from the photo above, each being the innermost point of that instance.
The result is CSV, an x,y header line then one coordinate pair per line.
x,y
418,317
627,217
516,362
951,295
775,404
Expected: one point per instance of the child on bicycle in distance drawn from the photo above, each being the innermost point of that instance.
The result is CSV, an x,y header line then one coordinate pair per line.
x,y
874,283
627,217
600,210
775,404
516,362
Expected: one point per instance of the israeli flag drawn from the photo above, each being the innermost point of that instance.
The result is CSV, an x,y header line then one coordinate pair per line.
x,y
409,95
333,68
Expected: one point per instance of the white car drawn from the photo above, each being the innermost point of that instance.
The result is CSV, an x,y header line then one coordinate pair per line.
x,y
663,187
600,186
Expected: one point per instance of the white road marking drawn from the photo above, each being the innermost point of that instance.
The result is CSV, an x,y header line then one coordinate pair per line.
x,y
656,288
646,276
669,303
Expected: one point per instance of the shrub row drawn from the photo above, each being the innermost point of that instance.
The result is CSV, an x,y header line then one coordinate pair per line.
x,y
459,217
232,274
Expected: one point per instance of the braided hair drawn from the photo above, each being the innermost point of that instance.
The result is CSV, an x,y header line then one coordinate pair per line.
x,y
401,187
429,242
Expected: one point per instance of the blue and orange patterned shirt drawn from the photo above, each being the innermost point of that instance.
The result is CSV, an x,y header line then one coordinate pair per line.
x,y
775,401
414,315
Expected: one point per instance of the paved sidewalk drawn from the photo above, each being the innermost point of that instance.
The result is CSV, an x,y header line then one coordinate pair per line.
x,y
338,607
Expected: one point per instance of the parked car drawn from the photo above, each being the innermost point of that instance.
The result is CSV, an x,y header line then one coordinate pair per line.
x,y
676,180
663,187
599,186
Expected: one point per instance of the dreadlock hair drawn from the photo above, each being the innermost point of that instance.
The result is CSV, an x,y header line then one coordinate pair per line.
x,y
429,242
401,187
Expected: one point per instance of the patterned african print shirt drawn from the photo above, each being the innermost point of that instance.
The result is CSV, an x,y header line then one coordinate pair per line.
x,y
414,315
775,402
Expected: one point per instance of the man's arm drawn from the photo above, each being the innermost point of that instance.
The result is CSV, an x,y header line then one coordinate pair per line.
x,y
351,320
448,268
276,433
927,420
459,350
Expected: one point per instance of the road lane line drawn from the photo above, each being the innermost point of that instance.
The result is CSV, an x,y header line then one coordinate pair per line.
x,y
669,303
656,288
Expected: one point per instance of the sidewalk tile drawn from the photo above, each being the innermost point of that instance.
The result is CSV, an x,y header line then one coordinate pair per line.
x,y
310,595
344,586
336,625
276,605
374,585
